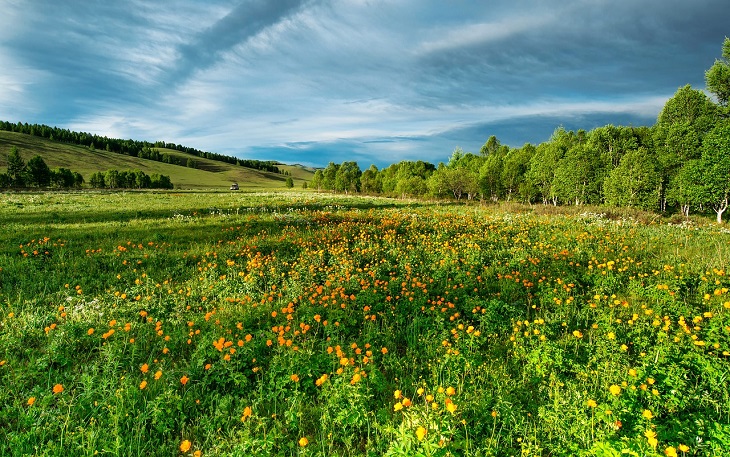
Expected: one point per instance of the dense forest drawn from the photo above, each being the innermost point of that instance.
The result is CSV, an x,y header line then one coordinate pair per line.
x,y
681,163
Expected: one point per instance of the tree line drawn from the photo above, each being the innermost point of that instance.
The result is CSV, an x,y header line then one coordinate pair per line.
x,y
681,163
142,149
36,173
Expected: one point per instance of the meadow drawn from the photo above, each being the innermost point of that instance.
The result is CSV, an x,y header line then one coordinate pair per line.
x,y
294,323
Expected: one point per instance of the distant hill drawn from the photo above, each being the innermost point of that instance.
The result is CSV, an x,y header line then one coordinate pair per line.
x,y
207,174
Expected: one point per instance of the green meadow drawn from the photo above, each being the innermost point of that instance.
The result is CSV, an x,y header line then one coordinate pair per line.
x,y
218,323
208,174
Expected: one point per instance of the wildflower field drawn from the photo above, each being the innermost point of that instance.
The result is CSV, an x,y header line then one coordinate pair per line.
x,y
298,324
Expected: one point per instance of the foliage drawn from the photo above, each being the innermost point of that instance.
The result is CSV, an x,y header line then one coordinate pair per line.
x,y
717,77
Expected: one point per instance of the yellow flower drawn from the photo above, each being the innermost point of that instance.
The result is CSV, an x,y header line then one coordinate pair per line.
x,y
614,389
651,437
450,391
632,372
397,394
303,441
420,433
670,452
185,446
451,407
683,447
647,414
197,453
398,406
591,403
577,334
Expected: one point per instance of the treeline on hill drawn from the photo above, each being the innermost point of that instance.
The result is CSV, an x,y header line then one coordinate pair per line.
x,y
681,163
36,173
134,148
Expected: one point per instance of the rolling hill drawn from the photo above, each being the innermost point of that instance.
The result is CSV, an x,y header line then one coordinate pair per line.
x,y
208,174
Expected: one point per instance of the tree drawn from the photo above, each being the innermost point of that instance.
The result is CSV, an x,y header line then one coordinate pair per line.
x,y
514,168
490,147
715,166
78,180
683,122
329,175
111,178
370,181
717,77
347,178
544,163
686,189
579,176
634,182
318,179
289,183
16,167
37,172
490,176
62,177
97,180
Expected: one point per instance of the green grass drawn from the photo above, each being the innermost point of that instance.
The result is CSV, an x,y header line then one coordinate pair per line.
x,y
366,326
209,175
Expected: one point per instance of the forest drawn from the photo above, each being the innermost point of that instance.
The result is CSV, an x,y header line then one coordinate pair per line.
x,y
680,164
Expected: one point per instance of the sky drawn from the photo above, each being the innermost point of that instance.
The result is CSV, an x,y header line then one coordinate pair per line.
x,y
314,81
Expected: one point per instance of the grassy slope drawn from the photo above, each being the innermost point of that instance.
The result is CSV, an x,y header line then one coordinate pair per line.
x,y
210,174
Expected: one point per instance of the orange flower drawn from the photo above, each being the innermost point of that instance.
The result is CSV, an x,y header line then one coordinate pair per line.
x,y
184,380
90,331
246,413
58,388
158,374
143,384
31,400
185,446
294,378
144,368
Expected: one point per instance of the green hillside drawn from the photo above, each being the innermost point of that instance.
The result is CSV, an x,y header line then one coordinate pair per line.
x,y
208,174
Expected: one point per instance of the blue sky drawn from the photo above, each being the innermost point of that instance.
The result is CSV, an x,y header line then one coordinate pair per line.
x,y
313,81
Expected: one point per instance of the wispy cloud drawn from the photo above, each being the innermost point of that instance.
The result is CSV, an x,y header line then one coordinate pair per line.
x,y
318,80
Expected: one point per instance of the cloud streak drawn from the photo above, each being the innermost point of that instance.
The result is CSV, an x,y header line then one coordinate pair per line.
x,y
317,80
